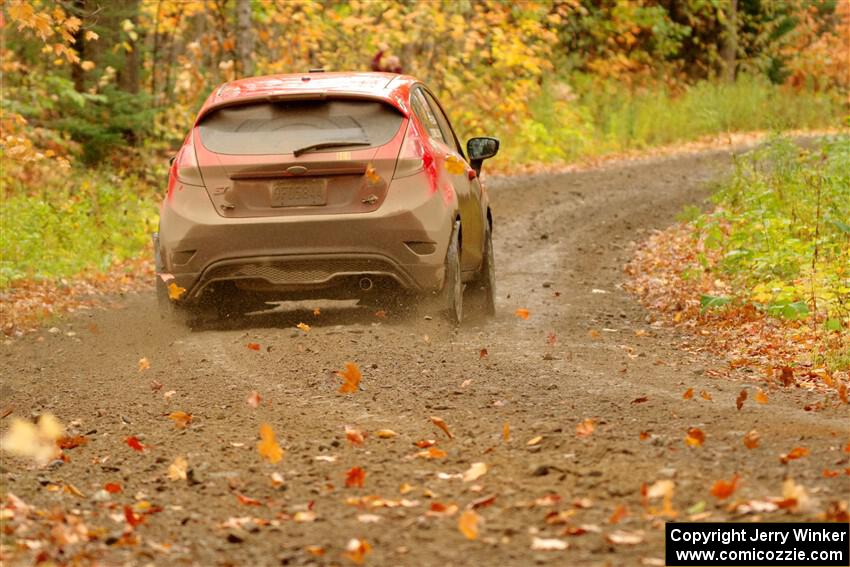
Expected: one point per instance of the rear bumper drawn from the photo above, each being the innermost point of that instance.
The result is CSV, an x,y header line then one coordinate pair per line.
x,y
198,247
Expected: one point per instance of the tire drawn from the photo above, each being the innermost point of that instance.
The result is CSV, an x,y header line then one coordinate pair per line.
x,y
452,297
484,288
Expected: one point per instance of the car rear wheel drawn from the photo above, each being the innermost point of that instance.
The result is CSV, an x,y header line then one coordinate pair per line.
x,y
453,288
484,287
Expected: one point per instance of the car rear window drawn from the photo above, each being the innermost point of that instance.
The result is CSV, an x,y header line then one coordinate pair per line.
x,y
285,126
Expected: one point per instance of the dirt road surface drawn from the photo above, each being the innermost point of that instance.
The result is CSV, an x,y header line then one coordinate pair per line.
x,y
561,243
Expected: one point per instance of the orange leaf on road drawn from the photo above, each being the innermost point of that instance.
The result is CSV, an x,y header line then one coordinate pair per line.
x,y
356,551
695,437
112,487
468,524
253,346
134,443
585,428
350,378
442,425
760,397
689,393
751,439
144,364
132,518
253,399
723,489
522,314
267,446
739,401
618,514
354,436
793,454
71,442
354,477
247,500
181,418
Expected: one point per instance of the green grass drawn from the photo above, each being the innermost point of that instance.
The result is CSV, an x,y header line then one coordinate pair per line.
x,y
595,120
782,228
73,222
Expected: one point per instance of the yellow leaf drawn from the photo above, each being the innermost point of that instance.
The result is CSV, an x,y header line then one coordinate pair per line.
x,y
304,327
468,524
87,65
91,36
181,418
175,292
474,472
506,432
144,364
356,550
351,378
385,433
268,447
177,469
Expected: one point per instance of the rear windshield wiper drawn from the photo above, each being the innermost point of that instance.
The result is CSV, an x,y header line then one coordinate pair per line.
x,y
322,145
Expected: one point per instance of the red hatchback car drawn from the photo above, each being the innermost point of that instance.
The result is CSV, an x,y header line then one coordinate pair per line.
x,y
324,185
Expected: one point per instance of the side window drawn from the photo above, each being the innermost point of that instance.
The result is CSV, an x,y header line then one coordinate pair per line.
x,y
426,116
445,125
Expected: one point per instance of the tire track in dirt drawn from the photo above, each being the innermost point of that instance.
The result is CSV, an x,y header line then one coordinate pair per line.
x,y
566,233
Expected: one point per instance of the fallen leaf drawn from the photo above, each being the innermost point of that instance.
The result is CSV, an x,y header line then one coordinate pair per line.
x,y
276,479
483,502
432,453
640,400
506,432
71,442
644,435
144,364
722,489
253,399
842,393
760,397
132,518
522,314
585,428
689,393
36,441
705,395
356,550
548,544
830,474
385,434
112,487
551,338
440,510
739,401
786,376
354,436
535,440
752,439
622,537
793,454
247,501
178,470
442,425
474,472
175,292
483,353
695,437
253,346
181,419
425,443
156,385
304,327
167,395
354,477
467,523
267,446
350,378
134,443
381,314
71,489
618,514
316,312
315,550
304,516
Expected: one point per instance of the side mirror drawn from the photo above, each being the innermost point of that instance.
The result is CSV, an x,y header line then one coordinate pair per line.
x,y
480,149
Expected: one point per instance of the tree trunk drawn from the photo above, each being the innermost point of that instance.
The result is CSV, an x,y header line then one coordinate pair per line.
x,y
78,75
730,42
128,76
245,37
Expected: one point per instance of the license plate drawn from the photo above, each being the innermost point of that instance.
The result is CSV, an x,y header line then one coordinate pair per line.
x,y
299,193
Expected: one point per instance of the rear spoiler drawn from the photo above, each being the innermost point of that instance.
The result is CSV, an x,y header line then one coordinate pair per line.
x,y
393,102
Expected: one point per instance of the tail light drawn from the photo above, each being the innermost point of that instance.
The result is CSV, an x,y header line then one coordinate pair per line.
x,y
186,164
412,158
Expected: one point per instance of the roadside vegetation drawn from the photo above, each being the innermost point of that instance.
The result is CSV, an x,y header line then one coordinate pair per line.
x,y
766,273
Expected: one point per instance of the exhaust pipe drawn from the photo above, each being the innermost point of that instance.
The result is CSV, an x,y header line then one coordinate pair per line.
x,y
365,284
